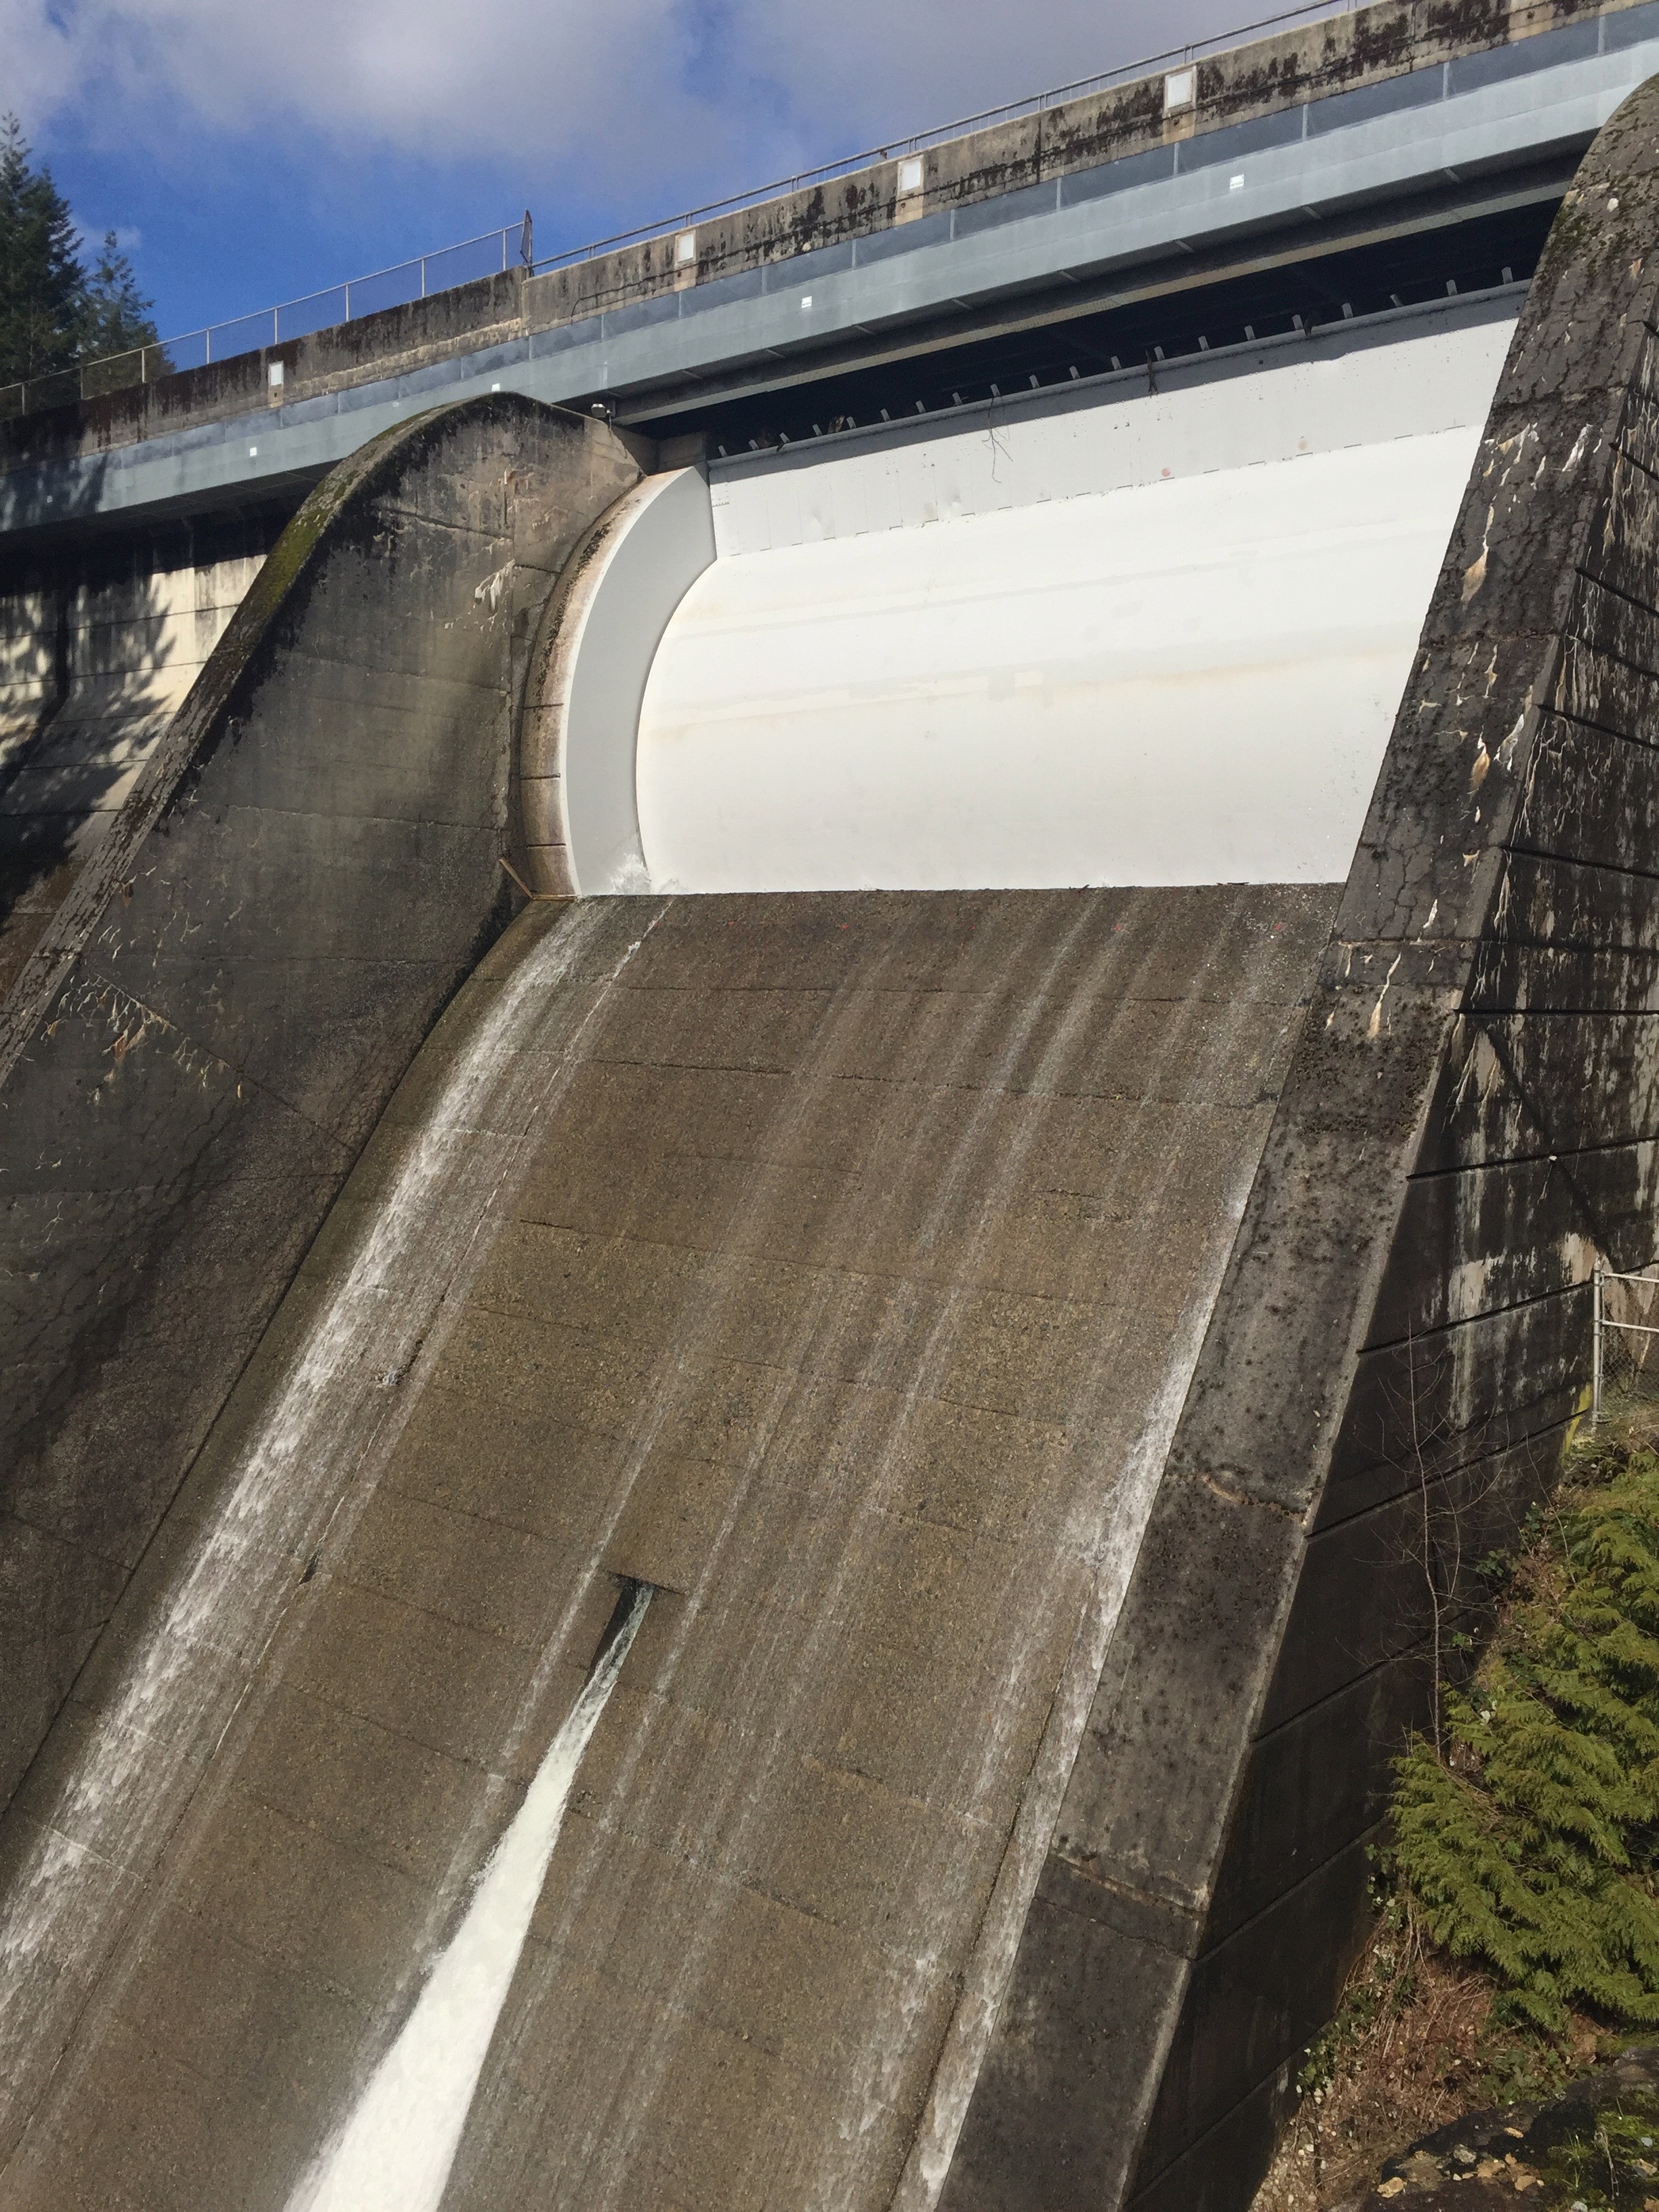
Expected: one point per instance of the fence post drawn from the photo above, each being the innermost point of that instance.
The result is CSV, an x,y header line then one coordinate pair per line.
x,y
1596,1351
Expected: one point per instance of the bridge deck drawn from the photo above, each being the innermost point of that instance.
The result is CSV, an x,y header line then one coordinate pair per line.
x,y
1004,235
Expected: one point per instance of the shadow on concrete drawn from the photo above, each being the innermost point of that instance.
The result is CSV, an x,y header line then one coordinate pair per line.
x,y
87,699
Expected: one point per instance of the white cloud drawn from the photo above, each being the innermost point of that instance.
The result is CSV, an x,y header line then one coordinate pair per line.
x,y
644,96
904,66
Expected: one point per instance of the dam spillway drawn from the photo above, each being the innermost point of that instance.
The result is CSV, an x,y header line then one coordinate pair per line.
x,y
781,1267
1082,1019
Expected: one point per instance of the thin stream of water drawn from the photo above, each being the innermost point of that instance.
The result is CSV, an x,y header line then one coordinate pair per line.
x,y
1098,1542
395,2152
312,1456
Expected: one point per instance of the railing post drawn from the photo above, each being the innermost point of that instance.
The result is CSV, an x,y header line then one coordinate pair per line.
x,y
348,293
207,345
423,276
1596,1351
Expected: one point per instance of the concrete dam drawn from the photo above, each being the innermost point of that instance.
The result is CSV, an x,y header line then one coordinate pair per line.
x,y
802,1122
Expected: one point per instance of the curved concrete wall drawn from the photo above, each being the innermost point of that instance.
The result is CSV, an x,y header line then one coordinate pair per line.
x,y
1158,639
212,1021
601,631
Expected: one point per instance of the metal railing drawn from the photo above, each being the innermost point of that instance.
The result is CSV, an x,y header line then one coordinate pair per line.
x,y
986,119
1625,1347
494,251
486,255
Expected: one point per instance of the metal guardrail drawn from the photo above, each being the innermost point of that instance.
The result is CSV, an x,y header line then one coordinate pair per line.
x,y
486,255
493,250
1011,111
1625,1350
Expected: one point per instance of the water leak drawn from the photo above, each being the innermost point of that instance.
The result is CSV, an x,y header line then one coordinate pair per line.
x,y
307,1465
395,2152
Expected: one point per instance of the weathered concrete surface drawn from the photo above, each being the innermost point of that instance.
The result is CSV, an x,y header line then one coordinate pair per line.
x,y
210,1026
96,655
835,1263
1469,1120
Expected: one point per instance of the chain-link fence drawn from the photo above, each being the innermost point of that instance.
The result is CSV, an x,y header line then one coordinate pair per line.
x,y
1626,1356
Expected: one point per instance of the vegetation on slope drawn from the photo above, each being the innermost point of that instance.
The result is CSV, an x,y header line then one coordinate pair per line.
x,y
1518,1936
1529,1844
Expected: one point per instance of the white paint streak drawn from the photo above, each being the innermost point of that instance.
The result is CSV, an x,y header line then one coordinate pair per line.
x,y
1374,1027
489,594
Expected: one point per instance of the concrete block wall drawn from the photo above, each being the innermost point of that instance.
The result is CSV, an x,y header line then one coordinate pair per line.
x,y
97,653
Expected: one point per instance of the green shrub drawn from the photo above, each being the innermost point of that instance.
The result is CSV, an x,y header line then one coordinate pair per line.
x,y
1531,1844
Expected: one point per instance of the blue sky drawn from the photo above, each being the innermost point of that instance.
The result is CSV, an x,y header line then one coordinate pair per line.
x,y
253,152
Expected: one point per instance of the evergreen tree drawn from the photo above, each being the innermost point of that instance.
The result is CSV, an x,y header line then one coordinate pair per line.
x,y
114,315
40,275
1533,1846
52,312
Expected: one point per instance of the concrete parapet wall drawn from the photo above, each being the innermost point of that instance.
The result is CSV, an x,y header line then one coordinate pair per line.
x,y
210,1023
